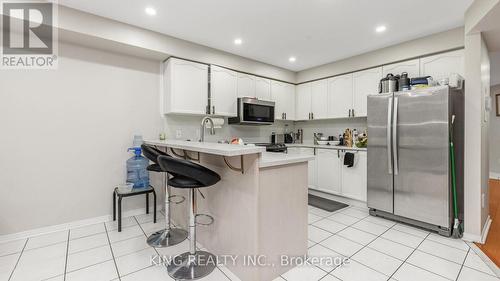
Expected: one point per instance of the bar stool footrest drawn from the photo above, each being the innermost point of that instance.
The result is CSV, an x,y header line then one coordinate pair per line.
x,y
200,217
176,201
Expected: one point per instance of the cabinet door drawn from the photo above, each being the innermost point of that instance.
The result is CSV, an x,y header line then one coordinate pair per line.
x,y
246,85
263,88
354,179
329,170
303,102
411,66
283,94
319,99
442,65
365,83
224,88
185,87
340,96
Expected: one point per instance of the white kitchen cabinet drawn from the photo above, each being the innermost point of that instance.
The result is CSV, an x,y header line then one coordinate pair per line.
x,y
412,67
319,99
223,91
365,83
283,94
329,171
354,180
303,102
311,165
442,65
263,88
340,96
246,85
185,87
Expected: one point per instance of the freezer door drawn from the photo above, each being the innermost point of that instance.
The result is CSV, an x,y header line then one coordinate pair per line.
x,y
420,155
380,180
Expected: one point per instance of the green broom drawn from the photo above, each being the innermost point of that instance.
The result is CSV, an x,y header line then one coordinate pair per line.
x,y
457,226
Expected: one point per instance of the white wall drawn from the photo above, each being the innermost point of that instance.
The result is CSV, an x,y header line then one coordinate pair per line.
x,y
439,42
476,136
65,133
494,134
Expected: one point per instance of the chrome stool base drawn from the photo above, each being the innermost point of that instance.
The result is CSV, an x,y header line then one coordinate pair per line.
x,y
187,266
162,239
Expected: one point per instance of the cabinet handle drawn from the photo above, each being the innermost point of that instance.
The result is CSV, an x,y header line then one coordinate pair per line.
x,y
213,109
312,115
285,115
353,113
350,112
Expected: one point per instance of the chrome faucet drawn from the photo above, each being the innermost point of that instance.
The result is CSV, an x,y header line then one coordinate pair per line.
x,y
202,129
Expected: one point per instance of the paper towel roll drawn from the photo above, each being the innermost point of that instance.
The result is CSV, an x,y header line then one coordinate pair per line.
x,y
218,122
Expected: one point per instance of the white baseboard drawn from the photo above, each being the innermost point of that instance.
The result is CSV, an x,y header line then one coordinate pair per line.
x,y
494,175
70,225
479,238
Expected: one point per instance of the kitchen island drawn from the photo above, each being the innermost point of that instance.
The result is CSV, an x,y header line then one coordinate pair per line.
x,y
251,205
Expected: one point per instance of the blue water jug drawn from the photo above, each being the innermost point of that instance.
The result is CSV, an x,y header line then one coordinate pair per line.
x,y
137,172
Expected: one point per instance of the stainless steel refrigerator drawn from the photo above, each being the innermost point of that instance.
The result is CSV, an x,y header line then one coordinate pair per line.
x,y
409,172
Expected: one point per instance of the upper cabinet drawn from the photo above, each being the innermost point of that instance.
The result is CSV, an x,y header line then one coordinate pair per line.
x,y
412,67
340,96
365,83
283,94
263,88
319,99
303,102
185,87
442,65
223,91
246,85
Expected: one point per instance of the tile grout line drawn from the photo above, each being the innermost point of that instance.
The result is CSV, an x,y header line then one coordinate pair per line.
x,y
460,271
18,259
112,254
66,260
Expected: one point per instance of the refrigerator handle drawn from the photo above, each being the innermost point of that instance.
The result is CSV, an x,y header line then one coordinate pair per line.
x,y
395,137
389,154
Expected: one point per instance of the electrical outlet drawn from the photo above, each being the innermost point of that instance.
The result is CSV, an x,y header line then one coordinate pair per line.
x,y
178,133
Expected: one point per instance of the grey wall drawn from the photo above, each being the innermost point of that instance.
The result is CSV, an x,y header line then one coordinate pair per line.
x,y
65,135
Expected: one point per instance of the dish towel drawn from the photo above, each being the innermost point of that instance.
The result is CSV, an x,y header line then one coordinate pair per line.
x,y
349,159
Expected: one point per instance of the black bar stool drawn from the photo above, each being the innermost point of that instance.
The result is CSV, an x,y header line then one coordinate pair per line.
x,y
193,264
169,236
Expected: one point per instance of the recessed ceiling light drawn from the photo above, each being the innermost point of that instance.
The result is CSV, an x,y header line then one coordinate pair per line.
x,y
238,41
150,11
380,28
292,59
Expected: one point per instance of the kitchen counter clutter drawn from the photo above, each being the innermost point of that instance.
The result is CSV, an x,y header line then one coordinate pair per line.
x,y
324,146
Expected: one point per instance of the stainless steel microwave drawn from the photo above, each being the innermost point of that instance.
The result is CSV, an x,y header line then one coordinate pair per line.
x,y
252,111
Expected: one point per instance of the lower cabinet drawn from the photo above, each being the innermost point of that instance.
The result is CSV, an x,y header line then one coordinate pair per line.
x,y
354,178
327,172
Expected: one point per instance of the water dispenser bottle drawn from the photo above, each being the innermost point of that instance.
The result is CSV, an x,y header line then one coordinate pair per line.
x,y
137,172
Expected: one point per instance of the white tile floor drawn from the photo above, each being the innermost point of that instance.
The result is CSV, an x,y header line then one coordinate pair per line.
x,y
377,249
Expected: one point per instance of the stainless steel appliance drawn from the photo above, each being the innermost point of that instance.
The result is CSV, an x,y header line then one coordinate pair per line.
x,y
274,147
252,111
409,176
281,138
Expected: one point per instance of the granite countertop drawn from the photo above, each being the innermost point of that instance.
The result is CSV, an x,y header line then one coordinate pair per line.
x,y
324,146
271,159
209,147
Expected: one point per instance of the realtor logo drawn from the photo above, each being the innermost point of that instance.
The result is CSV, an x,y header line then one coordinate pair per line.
x,y
28,35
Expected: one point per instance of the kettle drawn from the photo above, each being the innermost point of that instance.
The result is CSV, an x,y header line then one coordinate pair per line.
x,y
388,84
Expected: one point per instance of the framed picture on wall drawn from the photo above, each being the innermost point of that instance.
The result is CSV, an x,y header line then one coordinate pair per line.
x,y
497,102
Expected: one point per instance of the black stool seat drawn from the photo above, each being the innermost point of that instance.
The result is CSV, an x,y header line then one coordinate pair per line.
x,y
154,168
187,174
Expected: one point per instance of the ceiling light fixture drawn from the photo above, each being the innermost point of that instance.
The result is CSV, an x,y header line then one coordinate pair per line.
x,y
150,11
238,41
380,28
292,59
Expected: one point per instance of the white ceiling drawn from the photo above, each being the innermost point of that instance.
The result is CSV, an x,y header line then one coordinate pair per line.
x,y
314,31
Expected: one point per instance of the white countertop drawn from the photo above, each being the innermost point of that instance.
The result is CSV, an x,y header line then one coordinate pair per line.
x,y
270,159
209,147
324,146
